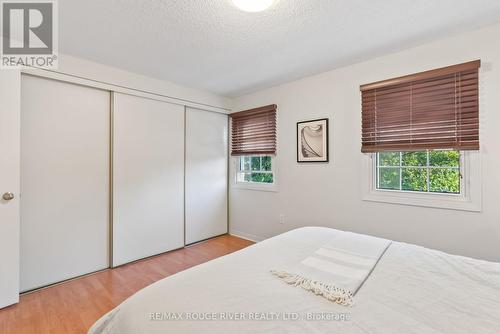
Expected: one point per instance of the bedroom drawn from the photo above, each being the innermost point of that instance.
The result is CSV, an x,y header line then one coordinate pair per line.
x,y
206,145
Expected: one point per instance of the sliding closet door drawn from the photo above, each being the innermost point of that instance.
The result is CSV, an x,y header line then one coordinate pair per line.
x,y
65,136
206,174
148,178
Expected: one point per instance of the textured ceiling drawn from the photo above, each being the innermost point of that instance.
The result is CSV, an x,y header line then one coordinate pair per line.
x,y
211,45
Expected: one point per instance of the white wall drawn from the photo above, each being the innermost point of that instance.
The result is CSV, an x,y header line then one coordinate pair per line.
x,y
99,73
10,125
330,194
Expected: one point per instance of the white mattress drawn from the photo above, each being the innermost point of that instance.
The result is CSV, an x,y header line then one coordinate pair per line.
x,y
411,290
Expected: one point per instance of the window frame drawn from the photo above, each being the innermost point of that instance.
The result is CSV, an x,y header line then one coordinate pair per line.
x,y
250,185
460,169
469,198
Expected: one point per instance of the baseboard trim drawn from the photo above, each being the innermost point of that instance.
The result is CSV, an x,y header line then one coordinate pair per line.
x,y
246,236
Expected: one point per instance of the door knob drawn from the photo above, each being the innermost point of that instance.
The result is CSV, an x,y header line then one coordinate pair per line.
x,y
8,196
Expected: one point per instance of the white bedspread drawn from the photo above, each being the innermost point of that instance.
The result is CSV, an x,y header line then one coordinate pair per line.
x,y
411,290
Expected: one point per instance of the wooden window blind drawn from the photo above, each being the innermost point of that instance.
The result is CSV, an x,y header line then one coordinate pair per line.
x,y
254,131
437,109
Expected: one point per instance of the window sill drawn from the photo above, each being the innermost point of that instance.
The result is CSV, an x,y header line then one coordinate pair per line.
x,y
256,186
440,201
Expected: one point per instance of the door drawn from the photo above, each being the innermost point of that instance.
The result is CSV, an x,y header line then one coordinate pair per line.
x,y
10,87
148,177
65,137
206,174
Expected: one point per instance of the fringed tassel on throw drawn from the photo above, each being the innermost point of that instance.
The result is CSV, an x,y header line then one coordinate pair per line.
x,y
328,291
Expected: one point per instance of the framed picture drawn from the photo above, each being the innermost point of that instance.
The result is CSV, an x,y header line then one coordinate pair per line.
x,y
312,141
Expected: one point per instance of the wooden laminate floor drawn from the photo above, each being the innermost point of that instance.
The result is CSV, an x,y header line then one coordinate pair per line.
x,y
73,306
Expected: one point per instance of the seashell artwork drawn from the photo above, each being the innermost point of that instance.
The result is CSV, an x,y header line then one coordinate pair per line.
x,y
312,141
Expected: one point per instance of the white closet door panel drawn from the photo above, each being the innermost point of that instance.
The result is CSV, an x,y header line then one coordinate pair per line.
x,y
148,178
206,174
65,135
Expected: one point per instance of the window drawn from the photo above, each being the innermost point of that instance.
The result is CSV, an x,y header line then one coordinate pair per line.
x,y
420,133
253,146
421,171
255,169
446,179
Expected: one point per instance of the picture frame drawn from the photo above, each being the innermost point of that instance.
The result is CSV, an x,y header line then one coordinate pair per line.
x,y
313,141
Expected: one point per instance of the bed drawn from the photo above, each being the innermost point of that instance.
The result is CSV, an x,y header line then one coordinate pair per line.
x,y
411,290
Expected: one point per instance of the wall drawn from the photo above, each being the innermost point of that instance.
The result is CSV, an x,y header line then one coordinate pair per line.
x,y
10,126
97,74
331,194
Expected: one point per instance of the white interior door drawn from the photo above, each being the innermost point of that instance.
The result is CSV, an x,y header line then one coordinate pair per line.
x,y
10,86
206,174
65,136
148,178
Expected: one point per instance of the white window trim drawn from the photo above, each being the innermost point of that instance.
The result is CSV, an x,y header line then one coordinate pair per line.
x,y
258,186
468,200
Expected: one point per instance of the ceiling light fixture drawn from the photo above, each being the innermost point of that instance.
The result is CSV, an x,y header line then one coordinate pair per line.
x,y
253,6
